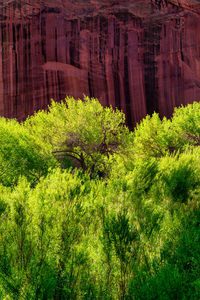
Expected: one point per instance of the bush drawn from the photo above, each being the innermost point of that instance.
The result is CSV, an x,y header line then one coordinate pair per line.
x,y
83,131
20,154
179,176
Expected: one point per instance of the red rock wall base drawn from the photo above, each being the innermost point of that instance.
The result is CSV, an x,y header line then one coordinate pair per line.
x,y
141,56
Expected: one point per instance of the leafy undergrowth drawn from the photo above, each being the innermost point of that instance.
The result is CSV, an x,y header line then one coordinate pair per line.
x,y
90,210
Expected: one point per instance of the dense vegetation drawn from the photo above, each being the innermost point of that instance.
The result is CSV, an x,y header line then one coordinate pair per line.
x,y
90,210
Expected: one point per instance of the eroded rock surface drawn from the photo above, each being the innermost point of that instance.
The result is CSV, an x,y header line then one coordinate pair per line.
x,y
139,55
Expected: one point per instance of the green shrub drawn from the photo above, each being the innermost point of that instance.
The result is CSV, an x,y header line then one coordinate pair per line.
x,y
154,138
20,154
186,123
179,176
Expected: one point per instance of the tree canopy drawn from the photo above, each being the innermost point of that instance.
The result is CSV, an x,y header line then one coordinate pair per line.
x,y
83,131
91,210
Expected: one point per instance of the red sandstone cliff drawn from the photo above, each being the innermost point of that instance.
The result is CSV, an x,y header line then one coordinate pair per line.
x,y
141,56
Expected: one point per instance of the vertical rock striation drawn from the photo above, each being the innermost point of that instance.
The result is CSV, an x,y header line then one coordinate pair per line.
x,y
139,55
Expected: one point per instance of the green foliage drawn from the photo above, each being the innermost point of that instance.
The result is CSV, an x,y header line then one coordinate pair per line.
x,y
82,131
186,122
118,234
20,154
67,231
179,175
153,137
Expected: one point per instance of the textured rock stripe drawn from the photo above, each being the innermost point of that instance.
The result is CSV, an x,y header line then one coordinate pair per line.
x,y
141,56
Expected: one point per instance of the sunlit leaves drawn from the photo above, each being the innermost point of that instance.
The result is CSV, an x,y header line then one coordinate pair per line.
x,y
67,231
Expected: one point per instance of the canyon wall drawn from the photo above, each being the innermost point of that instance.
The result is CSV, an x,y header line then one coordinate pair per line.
x,y
141,56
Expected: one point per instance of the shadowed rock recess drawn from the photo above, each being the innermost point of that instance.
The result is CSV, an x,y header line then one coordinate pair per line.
x,y
139,55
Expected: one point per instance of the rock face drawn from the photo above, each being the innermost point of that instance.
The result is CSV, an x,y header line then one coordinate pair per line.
x,y
139,55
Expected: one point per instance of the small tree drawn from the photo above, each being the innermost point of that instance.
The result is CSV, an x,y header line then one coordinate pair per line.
x,y
83,131
93,133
